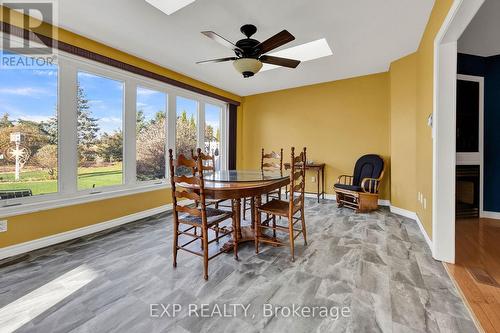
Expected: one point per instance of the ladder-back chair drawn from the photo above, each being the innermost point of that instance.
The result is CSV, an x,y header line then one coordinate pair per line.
x,y
184,189
272,161
288,210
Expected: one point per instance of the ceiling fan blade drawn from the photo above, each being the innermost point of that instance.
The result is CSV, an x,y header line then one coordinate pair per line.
x,y
279,61
216,60
281,38
221,40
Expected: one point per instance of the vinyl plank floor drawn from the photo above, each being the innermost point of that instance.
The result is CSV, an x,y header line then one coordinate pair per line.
x,y
376,267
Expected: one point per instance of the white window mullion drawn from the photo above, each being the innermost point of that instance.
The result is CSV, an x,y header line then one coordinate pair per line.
x,y
201,125
67,123
129,132
171,126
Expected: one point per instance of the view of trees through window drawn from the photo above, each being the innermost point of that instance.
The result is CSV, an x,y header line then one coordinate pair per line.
x,y
100,135
28,132
151,139
186,127
31,151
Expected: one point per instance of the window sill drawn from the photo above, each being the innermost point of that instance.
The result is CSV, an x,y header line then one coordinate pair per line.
x,y
76,199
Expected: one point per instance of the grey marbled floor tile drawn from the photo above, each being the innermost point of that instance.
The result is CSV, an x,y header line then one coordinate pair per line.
x,y
377,265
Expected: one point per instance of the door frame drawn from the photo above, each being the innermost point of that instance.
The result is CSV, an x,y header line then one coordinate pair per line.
x,y
444,127
476,158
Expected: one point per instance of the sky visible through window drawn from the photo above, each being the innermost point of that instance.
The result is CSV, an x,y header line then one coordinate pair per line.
x,y
150,102
212,115
105,98
28,94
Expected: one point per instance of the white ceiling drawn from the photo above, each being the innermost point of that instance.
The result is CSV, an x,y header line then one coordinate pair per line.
x,y
365,35
482,36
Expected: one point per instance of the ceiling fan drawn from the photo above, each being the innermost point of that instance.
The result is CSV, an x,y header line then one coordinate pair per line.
x,y
250,53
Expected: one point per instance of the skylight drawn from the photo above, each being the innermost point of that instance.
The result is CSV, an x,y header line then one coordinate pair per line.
x,y
169,6
304,52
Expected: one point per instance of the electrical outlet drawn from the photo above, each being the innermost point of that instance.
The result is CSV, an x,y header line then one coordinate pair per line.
x,y
3,226
425,203
313,179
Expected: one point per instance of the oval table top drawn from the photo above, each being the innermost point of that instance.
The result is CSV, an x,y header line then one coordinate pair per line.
x,y
237,184
239,176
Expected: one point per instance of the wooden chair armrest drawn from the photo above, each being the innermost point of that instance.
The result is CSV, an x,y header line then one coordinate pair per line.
x,y
345,180
370,185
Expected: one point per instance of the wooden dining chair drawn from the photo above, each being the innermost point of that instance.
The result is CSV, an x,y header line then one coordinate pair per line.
x,y
288,210
184,189
272,161
209,165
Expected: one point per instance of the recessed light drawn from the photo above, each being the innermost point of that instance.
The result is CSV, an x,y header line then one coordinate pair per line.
x,y
303,52
169,6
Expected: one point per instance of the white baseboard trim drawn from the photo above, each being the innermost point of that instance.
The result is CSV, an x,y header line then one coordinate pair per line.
x,y
422,230
413,216
36,244
381,202
404,212
490,215
315,196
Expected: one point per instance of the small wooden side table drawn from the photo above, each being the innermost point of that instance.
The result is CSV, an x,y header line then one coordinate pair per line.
x,y
320,169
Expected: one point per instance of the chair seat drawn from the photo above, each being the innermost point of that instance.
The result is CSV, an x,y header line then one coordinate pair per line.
x,y
275,207
213,216
353,188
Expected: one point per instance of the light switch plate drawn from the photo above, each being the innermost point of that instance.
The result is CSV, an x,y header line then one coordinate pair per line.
x,y
3,226
313,179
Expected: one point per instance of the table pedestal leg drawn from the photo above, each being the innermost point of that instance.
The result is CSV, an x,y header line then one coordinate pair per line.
x,y
244,233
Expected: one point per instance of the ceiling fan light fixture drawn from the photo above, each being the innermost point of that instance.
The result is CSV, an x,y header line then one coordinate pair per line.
x,y
247,66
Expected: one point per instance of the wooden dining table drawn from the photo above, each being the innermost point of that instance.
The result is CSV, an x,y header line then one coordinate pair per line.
x,y
236,185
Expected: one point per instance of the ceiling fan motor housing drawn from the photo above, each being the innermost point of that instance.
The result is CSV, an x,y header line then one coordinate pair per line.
x,y
248,47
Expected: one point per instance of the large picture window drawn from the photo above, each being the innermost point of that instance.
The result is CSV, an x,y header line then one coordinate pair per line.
x,y
100,136
151,134
75,126
28,132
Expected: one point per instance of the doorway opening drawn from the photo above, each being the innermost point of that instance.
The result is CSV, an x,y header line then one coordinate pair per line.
x,y
466,225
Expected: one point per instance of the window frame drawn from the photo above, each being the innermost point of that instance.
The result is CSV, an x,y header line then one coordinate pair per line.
x,y
68,194
102,74
159,89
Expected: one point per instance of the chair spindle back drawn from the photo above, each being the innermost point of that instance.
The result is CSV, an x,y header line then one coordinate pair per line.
x,y
272,161
194,181
208,161
297,179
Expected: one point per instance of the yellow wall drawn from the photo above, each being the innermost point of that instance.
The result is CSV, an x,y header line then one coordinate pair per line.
x,y
337,122
425,94
411,139
27,227
403,99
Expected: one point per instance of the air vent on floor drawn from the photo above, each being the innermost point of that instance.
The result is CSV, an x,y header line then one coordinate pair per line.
x,y
481,276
